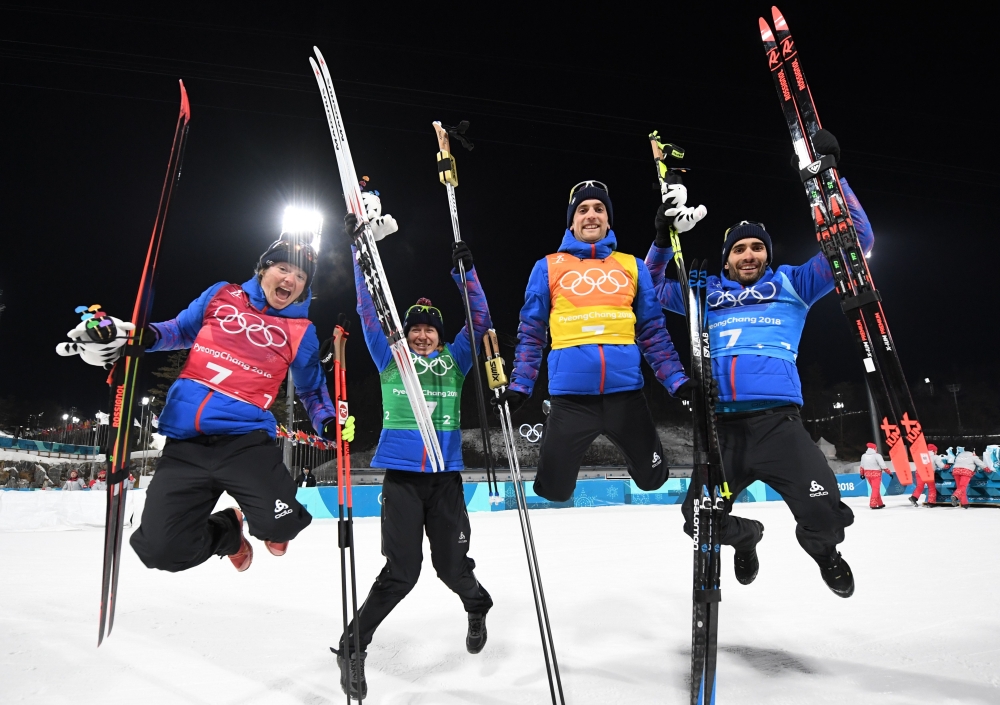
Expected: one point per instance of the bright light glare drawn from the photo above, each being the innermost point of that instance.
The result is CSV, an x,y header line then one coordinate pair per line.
x,y
65,416
838,405
868,256
303,221
145,400
76,420
927,380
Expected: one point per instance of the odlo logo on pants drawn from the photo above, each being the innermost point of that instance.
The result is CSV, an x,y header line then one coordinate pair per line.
x,y
816,490
280,509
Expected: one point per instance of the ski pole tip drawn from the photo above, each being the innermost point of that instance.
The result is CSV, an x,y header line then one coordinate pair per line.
x,y
185,105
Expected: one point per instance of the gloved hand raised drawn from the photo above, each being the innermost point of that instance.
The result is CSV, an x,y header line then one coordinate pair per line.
x,y
824,144
460,252
99,354
346,433
673,213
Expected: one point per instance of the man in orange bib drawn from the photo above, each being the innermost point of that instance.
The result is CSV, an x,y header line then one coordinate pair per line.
x,y
600,309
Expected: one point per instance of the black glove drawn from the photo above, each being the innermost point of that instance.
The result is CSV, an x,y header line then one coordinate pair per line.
x,y
825,143
686,389
663,223
513,399
460,252
326,354
351,226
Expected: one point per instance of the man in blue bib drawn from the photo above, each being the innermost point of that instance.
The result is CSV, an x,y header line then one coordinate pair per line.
x,y
755,317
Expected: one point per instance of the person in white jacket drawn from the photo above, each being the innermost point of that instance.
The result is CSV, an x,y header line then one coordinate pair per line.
x,y
872,467
937,464
75,482
966,464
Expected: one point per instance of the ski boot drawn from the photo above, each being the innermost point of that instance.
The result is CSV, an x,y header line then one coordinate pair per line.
x,y
244,555
954,501
836,574
276,549
475,640
352,675
914,501
745,563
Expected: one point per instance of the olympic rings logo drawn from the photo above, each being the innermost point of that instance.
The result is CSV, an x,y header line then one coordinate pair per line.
x,y
585,283
750,295
257,331
531,433
439,366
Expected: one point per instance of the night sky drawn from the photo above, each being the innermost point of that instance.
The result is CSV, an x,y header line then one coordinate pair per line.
x,y
91,102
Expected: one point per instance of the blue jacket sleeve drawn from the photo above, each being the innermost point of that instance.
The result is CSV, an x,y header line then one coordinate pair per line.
x,y
651,334
179,333
481,322
310,381
814,279
668,291
532,330
378,346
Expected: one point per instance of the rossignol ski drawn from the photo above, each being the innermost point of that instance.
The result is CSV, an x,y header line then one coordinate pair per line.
x,y
345,525
371,266
448,175
708,477
497,380
123,378
838,239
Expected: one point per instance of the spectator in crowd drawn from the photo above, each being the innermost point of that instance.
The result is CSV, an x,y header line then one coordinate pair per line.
x,y
306,478
100,483
75,482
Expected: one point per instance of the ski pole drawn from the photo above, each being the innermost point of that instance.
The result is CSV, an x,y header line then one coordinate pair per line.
x,y
338,342
668,175
448,174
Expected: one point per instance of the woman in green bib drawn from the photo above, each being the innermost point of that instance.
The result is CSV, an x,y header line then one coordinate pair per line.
x,y
415,499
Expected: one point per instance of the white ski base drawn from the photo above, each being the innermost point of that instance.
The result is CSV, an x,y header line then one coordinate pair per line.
x,y
921,627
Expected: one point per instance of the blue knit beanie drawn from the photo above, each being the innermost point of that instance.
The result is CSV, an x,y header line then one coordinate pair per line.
x,y
742,231
423,312
585,194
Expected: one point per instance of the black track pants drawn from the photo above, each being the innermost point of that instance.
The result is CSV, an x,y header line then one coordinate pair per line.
x,y
179,531
411,503
775,447
573,424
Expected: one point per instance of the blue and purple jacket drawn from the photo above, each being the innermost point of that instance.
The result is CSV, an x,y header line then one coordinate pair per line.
x,y
754,331
193,409
593,369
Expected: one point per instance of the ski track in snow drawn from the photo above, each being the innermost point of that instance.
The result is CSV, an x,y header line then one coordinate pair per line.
x,y
922,626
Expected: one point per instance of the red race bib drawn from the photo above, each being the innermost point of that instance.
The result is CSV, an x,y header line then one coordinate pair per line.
x,y
242,352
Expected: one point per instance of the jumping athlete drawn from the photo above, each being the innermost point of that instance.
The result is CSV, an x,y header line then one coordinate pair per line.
x,y
755,317
220,434
600,309
872,467
414,499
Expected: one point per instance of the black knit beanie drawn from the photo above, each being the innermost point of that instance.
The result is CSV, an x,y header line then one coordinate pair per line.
x,y
421,315
585,194
291,249
741,232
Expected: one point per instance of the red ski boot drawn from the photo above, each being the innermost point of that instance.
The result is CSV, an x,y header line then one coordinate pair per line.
x,y
244,556
276,549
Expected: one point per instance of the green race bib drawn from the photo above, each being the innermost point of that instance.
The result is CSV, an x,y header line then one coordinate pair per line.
x,y
441,380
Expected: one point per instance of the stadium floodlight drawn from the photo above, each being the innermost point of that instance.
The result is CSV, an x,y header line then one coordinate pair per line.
x,y
145,400
927,380
65,417
76,420
303,222
838,405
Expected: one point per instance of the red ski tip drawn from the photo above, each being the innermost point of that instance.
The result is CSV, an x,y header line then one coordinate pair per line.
x,y
765,30
779,19
185,105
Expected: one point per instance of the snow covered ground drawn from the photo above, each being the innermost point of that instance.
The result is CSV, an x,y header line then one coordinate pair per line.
x,y
923,626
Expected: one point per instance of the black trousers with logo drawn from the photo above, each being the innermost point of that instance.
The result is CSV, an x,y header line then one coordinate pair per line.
x,y
573,424
179,531
773,446
413,502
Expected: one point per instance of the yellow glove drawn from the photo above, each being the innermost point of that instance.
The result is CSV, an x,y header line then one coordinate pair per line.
x,y
347,432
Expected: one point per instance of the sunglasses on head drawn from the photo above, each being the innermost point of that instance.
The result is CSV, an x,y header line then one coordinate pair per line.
x,y
425,308
742,222
586,184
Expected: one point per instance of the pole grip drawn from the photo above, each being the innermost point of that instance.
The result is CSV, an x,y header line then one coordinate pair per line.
x,y
447,169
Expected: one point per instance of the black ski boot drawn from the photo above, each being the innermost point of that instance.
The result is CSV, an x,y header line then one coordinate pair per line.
x,y
475,640
836,574
352,673
954,501
914,501
745,563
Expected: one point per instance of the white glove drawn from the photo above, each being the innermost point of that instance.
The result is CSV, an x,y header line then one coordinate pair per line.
x,y
381,225
685,217
92,352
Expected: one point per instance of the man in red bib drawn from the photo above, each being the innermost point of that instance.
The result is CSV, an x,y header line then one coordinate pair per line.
x,y
220,433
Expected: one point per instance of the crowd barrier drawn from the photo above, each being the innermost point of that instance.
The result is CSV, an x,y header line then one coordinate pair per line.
x,y
47,447
37,510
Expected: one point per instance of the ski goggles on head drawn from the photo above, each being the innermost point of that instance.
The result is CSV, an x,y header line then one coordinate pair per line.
x,y
742,222
424,308
587,184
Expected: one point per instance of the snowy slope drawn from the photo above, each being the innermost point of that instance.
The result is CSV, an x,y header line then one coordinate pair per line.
x,y
923,626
